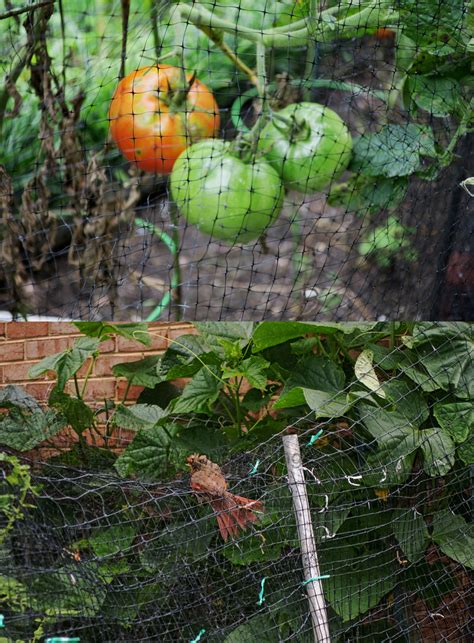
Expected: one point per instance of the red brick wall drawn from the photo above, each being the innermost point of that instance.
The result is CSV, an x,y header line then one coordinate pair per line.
x,y
23,344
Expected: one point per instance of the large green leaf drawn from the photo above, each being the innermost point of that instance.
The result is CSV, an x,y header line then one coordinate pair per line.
x,y
456,418
154,453
141,373
311,372
77,413
398,441
408,401
24,431
268,334
273,333
438,451
13,395
454,536
437,27
138,416
199,394
411,532
77,592
466,450
394,151
253,549
136,331
365,195
67,363
186,356
226,330
357,581
327,404
113,540
438,96
254,369
446,352
262,628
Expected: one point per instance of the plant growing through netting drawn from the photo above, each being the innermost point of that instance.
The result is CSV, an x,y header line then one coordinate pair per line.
x,y
109,537
203,159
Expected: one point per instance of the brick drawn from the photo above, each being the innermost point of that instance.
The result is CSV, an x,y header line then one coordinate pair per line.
x,y
12,351
39,348
98,390
2,329
103,365
158,344
132,394
39,390
1,374
62,328
20,330
19,373
177,330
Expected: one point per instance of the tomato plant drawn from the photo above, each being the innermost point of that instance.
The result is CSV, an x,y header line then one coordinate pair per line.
x,y
229,197
156,112
308,144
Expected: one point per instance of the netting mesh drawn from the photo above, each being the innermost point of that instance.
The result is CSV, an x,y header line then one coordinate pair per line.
x,y
88,553
331,187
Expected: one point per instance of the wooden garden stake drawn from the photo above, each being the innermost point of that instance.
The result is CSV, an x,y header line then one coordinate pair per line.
x,y
312,574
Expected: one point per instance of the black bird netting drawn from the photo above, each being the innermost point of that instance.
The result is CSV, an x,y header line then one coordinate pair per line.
x,y
333,503
323,149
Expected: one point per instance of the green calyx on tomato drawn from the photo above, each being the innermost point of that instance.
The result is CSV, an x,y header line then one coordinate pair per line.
x,y
308,144
156,112
233,199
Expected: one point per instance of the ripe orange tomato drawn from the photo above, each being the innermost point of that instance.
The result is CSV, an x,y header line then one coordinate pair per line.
x,y
384,34
153,117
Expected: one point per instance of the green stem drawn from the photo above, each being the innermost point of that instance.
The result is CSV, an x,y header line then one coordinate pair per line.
x,y
177,291
129,384
154,26
377,13
76,386
228,410
88,374
393,335
173,248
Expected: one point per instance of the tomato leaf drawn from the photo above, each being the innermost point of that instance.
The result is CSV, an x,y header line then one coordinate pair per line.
x,y
438,451
438,96
395,150
357,581
254,369
446,352
200,393
411,532
152,453
22,430
454,536
141,373
138,332
67,363
138,416
456,418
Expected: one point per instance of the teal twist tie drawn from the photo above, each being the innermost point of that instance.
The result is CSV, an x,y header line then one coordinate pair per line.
x,y
198,637
310,580
261,596
255,467
314,438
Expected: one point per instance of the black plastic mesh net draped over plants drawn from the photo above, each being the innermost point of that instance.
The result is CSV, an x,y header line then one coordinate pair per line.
x,y
191,516
234,159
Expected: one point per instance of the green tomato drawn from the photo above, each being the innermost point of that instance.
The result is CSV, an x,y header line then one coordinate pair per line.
x,y
223,195
308,144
